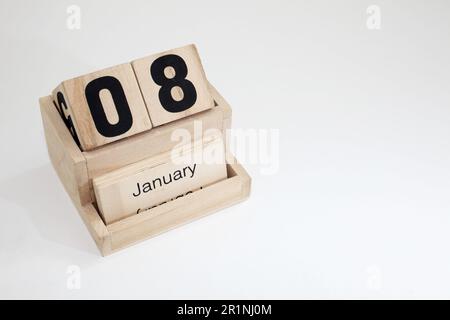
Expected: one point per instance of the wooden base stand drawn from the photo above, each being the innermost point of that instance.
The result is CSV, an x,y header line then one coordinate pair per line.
x,y
76,169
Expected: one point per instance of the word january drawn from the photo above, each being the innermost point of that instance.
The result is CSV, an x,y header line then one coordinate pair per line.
x,y
176,175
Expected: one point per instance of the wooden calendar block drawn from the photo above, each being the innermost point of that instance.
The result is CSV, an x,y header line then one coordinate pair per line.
x,y
173,84
110,157
65,111
76,170
148,183
103,106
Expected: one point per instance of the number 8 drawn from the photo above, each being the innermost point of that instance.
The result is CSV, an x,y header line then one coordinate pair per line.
x,y
179,80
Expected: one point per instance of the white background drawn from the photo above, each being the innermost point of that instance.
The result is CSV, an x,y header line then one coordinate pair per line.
x,y
360,205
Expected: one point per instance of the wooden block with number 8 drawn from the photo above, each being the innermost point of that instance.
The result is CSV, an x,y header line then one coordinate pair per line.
x,y
173,84
103,106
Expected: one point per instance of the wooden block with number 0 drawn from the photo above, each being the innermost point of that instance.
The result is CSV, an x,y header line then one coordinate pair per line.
x,y
103,106
173,84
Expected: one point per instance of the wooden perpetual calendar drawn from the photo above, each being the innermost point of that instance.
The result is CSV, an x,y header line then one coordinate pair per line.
x,y
141,147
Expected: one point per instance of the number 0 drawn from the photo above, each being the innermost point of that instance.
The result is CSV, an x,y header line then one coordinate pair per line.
x,y
104,127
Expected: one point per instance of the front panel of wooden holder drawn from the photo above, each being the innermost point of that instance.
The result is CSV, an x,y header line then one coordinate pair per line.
x,y
173,84
148,183
104,106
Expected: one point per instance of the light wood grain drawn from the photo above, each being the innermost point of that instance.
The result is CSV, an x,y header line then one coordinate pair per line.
x,y
74,93
135,148
180,211
65,111
72,167
147,144
196,75
150,182
67,159
221,104
156,141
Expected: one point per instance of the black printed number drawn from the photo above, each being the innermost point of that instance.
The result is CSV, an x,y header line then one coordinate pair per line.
x,y
61,106
104,127
179,80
